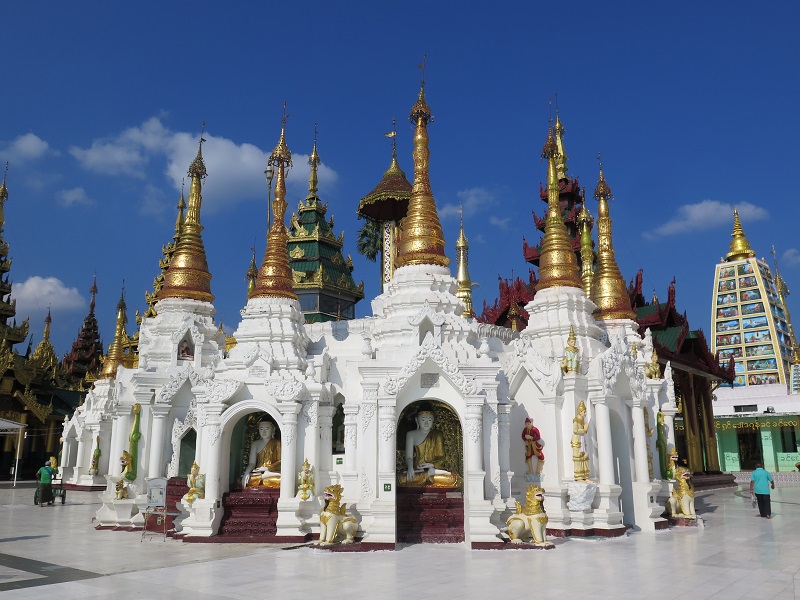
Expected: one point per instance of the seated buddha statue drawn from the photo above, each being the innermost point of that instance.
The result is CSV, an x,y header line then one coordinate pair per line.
x,y
264,465
425,456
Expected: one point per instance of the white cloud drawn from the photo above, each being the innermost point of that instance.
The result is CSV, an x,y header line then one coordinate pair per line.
x,y
154,202
235,170
26,147
74,196
791,258
473,200
707,214
500,223
36,293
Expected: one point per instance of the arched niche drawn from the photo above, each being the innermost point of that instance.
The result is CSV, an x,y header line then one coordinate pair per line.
x,y
244,432
446,420
188,451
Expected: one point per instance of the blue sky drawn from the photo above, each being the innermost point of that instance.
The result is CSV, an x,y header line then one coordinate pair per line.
x,y
693,107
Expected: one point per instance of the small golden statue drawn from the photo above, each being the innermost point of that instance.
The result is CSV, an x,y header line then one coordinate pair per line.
x,y
196,482
571,362
121,490
264,466
305,481
578,443
53,462
653,369
681,503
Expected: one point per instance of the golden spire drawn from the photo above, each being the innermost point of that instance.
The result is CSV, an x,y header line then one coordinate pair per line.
x,y
313,180
116,351
585,222
422,240
275,275
187,275
740,247
251,274
47,320
180,219
609,291
464,292
561,161
557,263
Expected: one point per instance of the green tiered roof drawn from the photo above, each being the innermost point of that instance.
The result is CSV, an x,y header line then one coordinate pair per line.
x,y
322,277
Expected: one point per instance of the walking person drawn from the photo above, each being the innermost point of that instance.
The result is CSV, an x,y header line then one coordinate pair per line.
x,y
45,478
760,483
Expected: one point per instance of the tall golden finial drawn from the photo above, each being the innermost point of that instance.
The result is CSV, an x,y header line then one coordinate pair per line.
x,y
585,223
47,321
558,266
187,275
252,273
422,240
313,180
464,292
561,161
116,351
275,275
609,291
740,247
180,219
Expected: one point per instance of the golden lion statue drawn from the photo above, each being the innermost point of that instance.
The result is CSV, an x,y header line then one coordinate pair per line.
x,y
681,503
333,516
529,519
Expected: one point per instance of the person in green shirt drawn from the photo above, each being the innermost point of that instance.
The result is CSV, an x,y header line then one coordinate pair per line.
x,y
760,484
45,478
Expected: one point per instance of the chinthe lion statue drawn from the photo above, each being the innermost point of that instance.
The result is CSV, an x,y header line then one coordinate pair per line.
x,y
681,503
529,520
333,517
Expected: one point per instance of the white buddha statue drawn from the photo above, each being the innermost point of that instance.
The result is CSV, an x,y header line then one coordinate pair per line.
x,y
264,464
425,456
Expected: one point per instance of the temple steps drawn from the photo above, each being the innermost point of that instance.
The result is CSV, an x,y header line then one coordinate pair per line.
x,y
430,515
249,514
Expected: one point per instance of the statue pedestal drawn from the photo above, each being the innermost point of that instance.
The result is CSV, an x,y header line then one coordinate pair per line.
x,y
646,507
118,514
250,515
203,520
581,495
430,515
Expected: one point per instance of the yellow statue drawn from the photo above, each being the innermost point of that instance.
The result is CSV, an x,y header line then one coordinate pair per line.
x,y
681,503
578,443
529,519
425,456
653,369
305,481
196,483
571,362
264,466
53,462
121,490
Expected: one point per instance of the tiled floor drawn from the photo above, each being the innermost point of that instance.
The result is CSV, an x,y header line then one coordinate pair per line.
x,y
54,552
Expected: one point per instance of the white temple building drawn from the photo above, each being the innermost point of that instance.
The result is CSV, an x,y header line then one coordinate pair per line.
x,y
188,400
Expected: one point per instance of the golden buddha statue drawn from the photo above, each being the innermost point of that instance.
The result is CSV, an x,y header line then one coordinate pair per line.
x,y
264,465
579,455
425,456
653,369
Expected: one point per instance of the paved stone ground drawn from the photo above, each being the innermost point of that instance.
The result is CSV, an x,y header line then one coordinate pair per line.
x,y
54,552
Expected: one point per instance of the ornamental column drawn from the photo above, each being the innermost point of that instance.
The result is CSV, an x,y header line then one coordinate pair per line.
x,y
80,456
605,449
350,437
210,453
325,418
155,465
639,442
504,448
386,439
289,412
121,433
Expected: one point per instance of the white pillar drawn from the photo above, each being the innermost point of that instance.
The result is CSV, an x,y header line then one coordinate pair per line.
x,y
504,448
639,443
387,433
79,459
605,449
120,438
155,466
325,420
474,437
211,451
350,437
289,412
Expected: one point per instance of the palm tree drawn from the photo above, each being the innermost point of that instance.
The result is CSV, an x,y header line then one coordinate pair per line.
x,y
370,243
